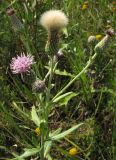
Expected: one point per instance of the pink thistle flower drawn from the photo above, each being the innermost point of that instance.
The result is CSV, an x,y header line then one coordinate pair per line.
x,y
21,64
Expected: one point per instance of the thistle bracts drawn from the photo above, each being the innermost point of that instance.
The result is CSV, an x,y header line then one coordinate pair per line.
x,y
53,21
38,86
52,44
102,44
105,41
111,32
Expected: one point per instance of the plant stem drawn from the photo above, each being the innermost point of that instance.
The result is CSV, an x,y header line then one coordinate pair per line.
x,y
50,73
90,61
54,67
42,147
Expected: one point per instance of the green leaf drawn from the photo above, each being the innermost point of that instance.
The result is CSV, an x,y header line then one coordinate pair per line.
x,y
17,158
65,133
65,32
47,147
55,132
65,98
1,33
27,92
61,73
34,4
49,157
1,78
19,109
35,117
29,152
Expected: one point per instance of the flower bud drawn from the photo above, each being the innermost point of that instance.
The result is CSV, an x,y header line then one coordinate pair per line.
x,y
91,39
110,32
59,55
38,86
102,44
10,11
17,25
108,22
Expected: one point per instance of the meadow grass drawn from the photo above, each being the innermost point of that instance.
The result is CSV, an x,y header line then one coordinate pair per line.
x,y
71,113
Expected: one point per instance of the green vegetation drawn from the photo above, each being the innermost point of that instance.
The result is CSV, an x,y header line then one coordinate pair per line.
x,y
64,107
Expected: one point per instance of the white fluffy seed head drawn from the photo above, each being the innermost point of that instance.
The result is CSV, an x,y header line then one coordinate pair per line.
x,y
53,20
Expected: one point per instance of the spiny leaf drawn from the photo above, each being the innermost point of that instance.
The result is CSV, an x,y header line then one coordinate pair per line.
x,y
62,73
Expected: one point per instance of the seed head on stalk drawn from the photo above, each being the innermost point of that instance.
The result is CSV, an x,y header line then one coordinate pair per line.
x,y
53,21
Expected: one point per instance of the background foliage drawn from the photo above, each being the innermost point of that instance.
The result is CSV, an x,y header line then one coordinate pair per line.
x,y
95,99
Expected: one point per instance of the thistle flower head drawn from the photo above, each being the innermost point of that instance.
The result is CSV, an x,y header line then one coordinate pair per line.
x,y
38,86
21,64
53,20
111,32
59,55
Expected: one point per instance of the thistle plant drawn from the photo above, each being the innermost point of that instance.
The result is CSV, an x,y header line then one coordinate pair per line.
x,y
53,21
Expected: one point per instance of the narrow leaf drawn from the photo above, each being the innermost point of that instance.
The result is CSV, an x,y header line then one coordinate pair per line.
x,y
65,98
55,132
29,152
48,145
35,117
65,133
61,73
19,109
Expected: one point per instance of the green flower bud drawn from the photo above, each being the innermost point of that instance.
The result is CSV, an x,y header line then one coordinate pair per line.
x,y
91,39
38,86
17,25
111,32
102,44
